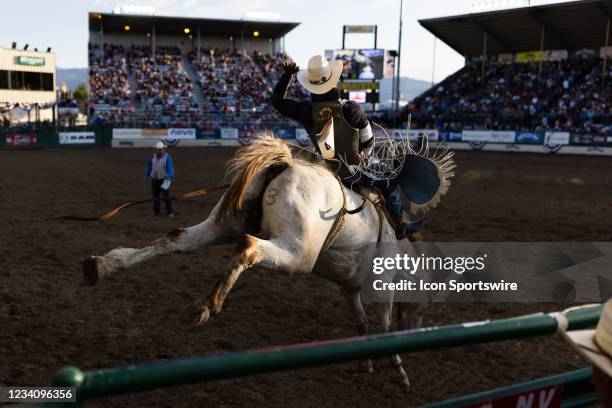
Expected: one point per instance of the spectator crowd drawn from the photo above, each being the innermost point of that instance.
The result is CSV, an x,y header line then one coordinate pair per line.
x,y
567,95
132,87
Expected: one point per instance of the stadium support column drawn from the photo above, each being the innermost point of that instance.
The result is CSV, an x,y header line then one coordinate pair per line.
x,y
605,61
198,44
484,55
101,39
153,45
541,54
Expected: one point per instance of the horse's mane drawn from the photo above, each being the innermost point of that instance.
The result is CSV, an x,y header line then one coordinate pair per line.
x,y
249,161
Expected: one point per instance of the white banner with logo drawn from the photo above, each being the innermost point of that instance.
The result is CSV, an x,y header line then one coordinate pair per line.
x,y
556,138
77,138
229,133
411,134
136,134
182,133
492,136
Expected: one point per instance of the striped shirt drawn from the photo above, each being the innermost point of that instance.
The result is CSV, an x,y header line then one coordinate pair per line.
x,y
160,168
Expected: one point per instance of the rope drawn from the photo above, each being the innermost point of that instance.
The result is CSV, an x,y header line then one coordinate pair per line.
x,y
340,220
115,211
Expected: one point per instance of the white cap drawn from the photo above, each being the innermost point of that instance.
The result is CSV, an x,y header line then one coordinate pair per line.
x,y
160,145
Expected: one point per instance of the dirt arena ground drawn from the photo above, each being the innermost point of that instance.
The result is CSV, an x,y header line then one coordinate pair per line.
x,y
49,319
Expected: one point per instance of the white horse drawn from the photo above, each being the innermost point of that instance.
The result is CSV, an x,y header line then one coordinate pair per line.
x,y
280,210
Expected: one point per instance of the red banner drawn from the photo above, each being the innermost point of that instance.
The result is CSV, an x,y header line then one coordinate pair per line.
x,y
545,397
21,140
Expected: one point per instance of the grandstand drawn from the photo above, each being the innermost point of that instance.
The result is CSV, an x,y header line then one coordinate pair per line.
x,y
158,72
541,68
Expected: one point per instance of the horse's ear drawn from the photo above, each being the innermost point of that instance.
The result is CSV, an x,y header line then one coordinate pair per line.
x,y
325,140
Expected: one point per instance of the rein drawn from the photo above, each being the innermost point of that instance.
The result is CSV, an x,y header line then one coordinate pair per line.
x,y
340,220
115,211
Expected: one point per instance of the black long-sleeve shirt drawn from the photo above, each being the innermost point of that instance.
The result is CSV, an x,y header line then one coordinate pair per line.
x,y
301,111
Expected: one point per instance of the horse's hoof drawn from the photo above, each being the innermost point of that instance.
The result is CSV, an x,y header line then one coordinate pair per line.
x,y
90,271
196,314
365,366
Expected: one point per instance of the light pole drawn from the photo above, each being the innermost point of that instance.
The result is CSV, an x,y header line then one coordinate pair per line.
x,y
399,58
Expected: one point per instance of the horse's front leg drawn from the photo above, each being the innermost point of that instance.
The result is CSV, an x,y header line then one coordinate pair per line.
x,y
178,240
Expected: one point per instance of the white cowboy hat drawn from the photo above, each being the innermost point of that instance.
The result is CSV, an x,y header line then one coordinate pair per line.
x,y
159,145
596,345
321,75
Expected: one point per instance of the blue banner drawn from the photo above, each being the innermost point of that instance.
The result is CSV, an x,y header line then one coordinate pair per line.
x,y
208,134
284,133
530,137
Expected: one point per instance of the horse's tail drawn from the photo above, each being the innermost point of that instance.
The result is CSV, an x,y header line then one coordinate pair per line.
x,y
248,162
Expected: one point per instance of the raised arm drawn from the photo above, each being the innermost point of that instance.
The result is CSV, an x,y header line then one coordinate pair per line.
x,y
285,106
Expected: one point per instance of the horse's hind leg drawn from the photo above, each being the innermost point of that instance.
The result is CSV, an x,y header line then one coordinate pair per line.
x,y
178,240
250,252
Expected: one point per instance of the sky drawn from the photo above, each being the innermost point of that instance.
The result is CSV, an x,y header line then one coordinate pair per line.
x,y
62,25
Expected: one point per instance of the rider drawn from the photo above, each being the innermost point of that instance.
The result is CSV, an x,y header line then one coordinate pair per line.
x,y
353,137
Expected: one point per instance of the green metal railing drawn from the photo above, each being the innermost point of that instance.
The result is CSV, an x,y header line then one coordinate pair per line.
x,y
135,378
577,391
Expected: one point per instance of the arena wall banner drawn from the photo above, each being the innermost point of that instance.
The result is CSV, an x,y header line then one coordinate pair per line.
x,y
284,133
153,134
228,133
21,140
182,133
450,136
208,134
556,138
491,136
76,138
530,137
414,134
302,136
588,140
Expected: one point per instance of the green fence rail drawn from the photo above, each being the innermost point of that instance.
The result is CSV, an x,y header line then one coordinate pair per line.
x,y
577,391
135,378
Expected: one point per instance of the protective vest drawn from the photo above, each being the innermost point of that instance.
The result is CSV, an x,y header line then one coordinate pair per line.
x,y
346,138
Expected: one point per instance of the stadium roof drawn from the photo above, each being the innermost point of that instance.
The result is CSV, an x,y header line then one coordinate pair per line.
x,y
175,25
572,25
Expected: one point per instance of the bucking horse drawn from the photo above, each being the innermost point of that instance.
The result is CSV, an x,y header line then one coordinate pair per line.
x,y
289,215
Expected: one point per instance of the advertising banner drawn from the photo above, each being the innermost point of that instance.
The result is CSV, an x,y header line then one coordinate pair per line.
x,y
229,133
529,56
450,136
588,140
415,134
529,137
555,55
21,140
172,133
284,133
556,138
182,133
208,134
492,136
302,136
77,138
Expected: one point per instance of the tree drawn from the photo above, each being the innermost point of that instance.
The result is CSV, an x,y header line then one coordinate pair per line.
x,y
80,94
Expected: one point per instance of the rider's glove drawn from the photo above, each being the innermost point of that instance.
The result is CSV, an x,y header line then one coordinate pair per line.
x,y
290,68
